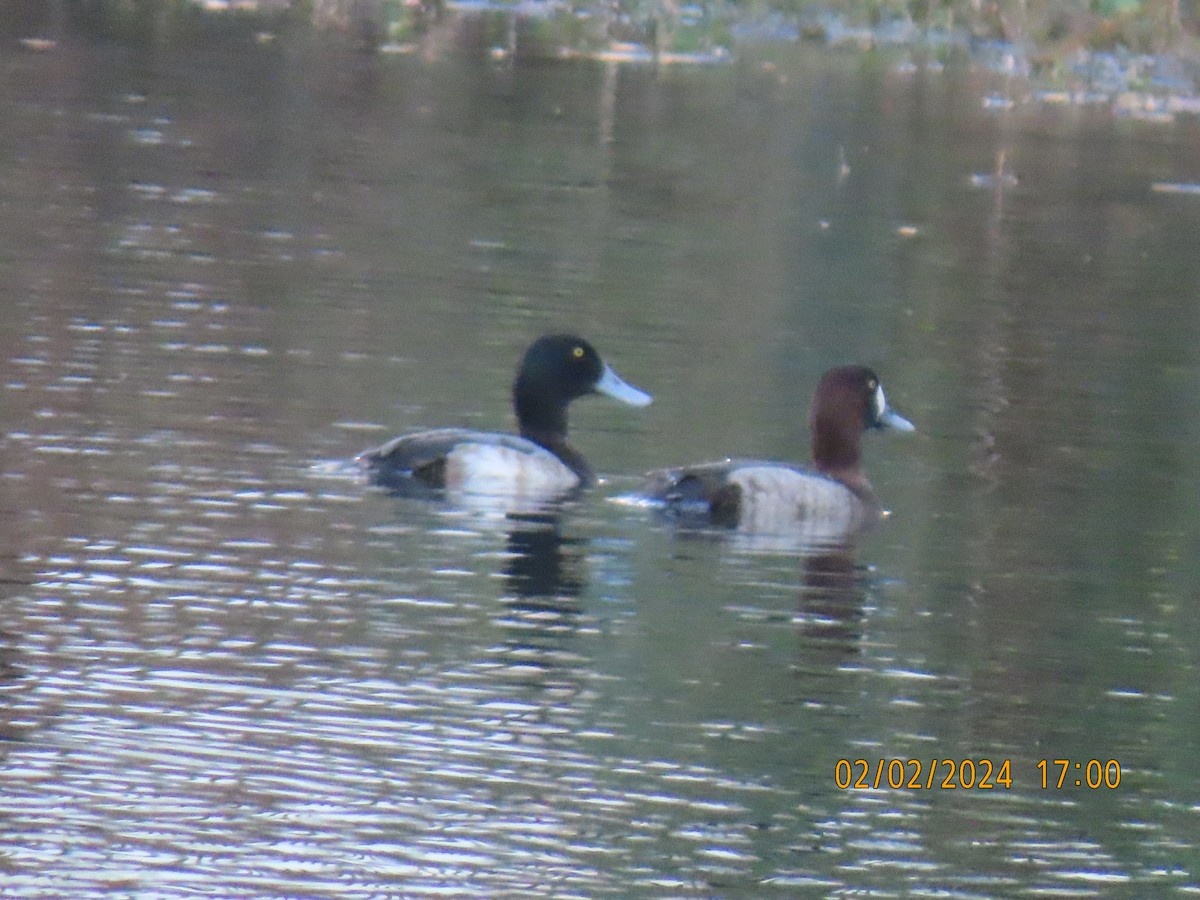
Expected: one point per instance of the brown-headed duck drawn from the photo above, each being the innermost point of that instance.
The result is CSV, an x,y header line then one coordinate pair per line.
x,y
556,369
832,501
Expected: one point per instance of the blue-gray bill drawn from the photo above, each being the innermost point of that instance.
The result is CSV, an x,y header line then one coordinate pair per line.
x,y
611,385
895,421
885,417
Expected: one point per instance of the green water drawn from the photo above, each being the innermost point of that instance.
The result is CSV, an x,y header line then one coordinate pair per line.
x,y
230,668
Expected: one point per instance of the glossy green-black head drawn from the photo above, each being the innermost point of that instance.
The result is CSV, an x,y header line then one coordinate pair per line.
x,y
557,369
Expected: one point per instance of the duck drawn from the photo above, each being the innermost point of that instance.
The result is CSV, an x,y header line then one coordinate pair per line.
x,y
538,462
828,503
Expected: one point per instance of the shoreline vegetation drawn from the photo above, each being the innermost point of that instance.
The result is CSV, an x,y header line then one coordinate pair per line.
x,y
1136,58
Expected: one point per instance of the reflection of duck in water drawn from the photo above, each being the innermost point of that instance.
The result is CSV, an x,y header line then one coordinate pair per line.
x,y
544,576
830,613
543,565
539,463
10,670
826,505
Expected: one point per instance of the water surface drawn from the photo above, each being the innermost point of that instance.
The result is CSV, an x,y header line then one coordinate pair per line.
x,y
229,668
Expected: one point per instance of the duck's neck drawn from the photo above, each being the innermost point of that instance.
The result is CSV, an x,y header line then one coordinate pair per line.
x,y
556,443
540,421
546,426
836,452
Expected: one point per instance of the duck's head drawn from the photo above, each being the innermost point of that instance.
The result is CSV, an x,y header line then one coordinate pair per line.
x,y
557,369
848,401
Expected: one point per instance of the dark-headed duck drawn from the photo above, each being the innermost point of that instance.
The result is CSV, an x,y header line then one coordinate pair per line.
x,y
556,369
832,501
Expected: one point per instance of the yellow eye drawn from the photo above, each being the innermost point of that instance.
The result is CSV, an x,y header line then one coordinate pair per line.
x,y
872,384
577,353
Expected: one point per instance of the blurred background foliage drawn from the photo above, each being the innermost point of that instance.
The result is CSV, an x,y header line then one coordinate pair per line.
x,y
1045,31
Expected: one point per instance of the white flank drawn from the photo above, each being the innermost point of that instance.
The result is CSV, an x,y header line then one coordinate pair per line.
x,y
498,470
776,500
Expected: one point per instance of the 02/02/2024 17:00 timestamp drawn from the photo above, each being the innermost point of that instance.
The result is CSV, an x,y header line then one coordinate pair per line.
x,y
972,774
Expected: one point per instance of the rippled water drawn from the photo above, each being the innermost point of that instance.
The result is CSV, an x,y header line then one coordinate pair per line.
x,y
229,668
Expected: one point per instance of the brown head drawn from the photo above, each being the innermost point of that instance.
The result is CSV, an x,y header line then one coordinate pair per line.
x,y
848,401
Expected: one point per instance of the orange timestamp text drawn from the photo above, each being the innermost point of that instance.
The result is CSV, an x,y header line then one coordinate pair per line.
x,y
1088,773
970,774
923,774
